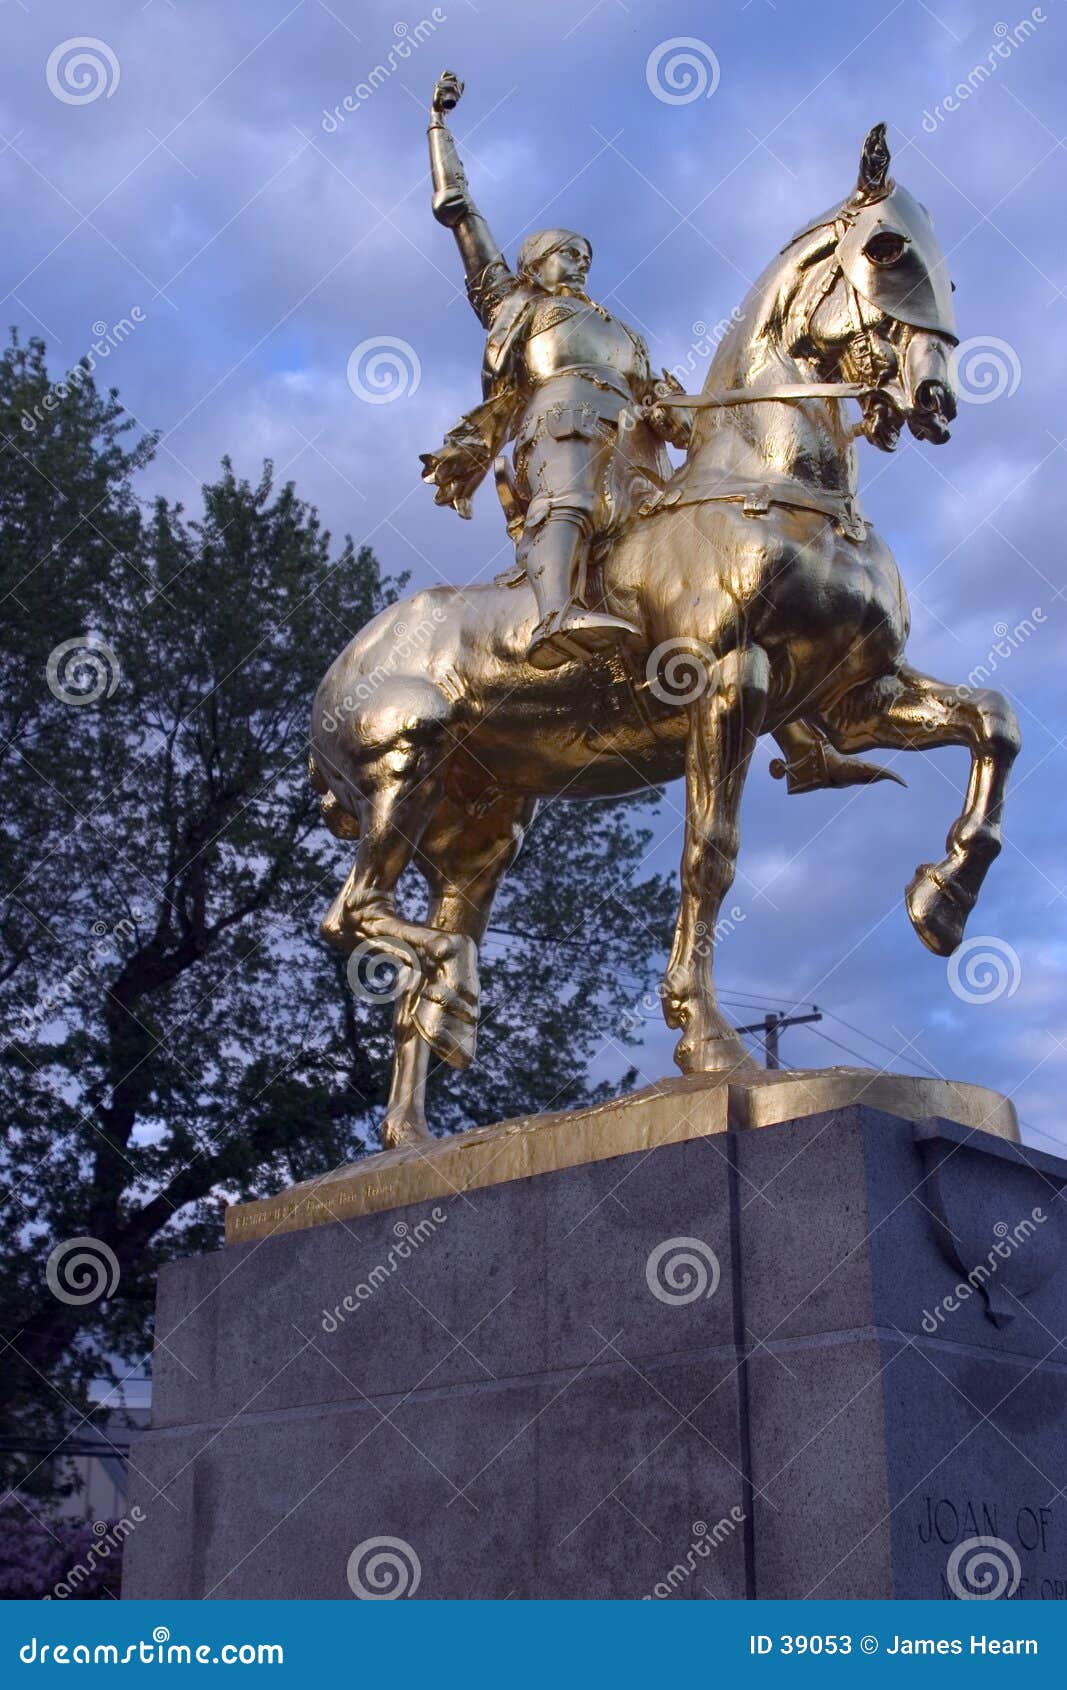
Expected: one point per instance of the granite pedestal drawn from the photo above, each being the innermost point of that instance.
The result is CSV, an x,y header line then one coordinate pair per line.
x,y
730,1362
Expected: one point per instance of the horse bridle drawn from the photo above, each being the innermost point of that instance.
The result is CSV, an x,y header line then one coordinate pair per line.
x,y
796,391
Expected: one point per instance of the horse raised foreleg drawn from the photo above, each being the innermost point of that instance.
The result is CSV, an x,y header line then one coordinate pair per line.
x,y
918,713
724,725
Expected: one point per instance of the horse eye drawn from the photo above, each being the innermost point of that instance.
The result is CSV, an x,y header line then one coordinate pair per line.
x,y
885,248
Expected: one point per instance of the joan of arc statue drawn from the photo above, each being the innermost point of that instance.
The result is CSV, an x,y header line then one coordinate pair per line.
x,y
571,385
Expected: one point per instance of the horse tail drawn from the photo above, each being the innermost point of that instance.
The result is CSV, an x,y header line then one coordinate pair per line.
x,y
341,822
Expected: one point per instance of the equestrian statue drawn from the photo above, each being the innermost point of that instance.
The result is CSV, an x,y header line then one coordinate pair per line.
x,y
656,621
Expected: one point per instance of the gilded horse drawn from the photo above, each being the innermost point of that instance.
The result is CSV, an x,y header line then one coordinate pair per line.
x,y
755,571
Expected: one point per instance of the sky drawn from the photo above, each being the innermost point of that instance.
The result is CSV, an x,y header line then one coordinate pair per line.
x,y
232,201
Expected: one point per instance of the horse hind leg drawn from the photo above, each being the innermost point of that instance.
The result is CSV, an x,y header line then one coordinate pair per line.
x,y
463,857
397,767
916,712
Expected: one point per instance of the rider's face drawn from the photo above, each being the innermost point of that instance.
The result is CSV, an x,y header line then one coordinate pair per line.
x,y
567,267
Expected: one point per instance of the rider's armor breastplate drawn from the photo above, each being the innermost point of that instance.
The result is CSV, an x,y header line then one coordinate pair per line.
x,y
568,333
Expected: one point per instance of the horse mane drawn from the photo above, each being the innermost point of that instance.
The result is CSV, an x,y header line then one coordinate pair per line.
x,y
782,301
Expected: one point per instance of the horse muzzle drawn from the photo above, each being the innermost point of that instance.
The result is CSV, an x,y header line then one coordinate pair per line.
x,y
929,394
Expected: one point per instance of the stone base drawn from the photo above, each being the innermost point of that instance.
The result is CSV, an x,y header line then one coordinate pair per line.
x,y
724,1364
667,1112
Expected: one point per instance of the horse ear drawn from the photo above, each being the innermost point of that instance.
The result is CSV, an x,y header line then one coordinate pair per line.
x,y
874,164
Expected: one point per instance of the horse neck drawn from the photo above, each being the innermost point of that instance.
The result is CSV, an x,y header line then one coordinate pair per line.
x,y
808,441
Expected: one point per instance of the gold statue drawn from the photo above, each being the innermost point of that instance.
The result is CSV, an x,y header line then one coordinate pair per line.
x,y
655,625
559,371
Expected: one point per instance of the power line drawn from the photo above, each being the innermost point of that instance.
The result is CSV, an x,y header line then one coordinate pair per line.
x,y
896,1054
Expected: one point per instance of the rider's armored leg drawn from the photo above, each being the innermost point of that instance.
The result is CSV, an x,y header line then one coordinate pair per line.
x,y
562,469
555,568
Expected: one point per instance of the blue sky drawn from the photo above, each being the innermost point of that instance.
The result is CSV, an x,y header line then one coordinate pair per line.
x,y
261,245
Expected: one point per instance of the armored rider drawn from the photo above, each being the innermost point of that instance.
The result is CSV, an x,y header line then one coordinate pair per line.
x,y
571,385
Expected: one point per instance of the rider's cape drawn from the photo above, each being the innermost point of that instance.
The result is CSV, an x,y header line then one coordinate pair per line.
x,y
461,463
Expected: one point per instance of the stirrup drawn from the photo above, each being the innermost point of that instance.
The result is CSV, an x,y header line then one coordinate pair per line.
x,y
575,635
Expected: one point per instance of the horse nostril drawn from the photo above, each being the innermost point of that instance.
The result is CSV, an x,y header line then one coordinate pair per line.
x,y
932,395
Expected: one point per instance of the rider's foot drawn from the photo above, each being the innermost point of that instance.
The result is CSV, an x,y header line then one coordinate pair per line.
x,y
575,635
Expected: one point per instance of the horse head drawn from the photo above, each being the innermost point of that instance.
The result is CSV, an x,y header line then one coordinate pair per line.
x,y
870,302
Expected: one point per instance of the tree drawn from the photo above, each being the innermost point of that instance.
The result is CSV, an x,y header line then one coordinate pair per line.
x,y
177,1034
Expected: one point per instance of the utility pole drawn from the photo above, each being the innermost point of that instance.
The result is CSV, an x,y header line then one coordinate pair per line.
x,y
772,1024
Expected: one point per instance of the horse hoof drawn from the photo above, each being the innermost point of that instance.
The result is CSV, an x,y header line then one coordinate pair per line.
x,y
445,1006
937,911
402,1133
449,1025
726,1056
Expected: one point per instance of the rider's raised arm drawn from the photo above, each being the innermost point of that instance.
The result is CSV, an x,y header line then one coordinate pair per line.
x,y
487,273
